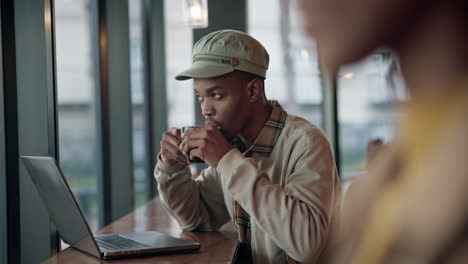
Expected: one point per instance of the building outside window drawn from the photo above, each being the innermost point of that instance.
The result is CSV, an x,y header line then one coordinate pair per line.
x,y
75,73
367,93
138,75
367,90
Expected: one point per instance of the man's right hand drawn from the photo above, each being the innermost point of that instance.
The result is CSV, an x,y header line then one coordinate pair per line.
x,y
170,152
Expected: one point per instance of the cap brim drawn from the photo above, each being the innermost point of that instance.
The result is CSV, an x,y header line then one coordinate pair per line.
x,y
203,69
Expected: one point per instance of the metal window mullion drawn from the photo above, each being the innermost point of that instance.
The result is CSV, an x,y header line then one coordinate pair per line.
x,y
3,186
29,125
149,145
156,77
9,141
115,110
52,102
330,112
102,141
13,230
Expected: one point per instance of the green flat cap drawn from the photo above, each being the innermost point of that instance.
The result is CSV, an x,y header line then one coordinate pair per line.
x,y
224,51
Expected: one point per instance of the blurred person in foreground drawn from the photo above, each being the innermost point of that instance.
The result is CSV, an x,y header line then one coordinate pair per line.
x,y
411,207
279,185
374,147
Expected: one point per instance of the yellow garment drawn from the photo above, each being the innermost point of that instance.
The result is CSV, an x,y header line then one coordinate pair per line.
x,y
422,127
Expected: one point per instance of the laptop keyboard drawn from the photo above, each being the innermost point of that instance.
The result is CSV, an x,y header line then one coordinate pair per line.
x,y
118,242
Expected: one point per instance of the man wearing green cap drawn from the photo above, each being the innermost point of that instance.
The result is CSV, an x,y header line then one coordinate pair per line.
x,y
271,173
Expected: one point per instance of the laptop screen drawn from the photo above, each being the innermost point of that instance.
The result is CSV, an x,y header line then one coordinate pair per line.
x,y
60,203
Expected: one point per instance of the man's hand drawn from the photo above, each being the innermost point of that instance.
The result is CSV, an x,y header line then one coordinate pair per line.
x,y
207,143
170,152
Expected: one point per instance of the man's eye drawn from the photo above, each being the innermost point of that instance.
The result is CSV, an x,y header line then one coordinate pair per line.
x,y
200,98
217,96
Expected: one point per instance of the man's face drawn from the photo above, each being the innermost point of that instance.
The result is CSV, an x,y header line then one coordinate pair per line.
x,y
224,102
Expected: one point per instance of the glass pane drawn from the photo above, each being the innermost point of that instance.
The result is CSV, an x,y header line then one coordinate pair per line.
x,y
367,91
76,102
137,77
293,77
179,41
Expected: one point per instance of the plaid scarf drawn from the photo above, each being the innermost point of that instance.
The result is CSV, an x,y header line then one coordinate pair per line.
x,y
264,144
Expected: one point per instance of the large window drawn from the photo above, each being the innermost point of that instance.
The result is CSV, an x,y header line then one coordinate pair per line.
x,y
293,77
179,42
139,115
76,102
367,91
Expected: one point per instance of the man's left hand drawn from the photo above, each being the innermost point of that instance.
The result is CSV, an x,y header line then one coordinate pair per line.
x,y
207,143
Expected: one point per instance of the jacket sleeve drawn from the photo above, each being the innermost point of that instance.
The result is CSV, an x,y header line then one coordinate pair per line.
x,y
296,216
196,204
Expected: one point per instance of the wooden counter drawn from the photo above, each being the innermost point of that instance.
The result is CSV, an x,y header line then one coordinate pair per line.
x,y
216,247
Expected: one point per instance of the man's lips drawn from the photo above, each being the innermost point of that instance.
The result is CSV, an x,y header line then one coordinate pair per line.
x,y
214,123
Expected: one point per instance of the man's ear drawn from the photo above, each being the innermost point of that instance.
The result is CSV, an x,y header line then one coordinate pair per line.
x,y
255,90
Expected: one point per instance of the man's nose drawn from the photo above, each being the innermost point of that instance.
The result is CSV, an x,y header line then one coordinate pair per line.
x,y
207,109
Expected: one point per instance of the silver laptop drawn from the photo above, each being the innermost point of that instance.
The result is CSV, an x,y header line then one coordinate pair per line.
x,y
73,228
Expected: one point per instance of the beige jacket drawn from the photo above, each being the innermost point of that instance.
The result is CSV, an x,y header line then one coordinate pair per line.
x,y
290,194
